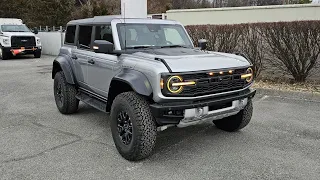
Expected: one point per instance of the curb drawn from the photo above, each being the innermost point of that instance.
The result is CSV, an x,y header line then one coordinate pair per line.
x,y
289,94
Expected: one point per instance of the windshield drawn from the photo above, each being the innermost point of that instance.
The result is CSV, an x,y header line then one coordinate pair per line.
x,y
14,28
152,35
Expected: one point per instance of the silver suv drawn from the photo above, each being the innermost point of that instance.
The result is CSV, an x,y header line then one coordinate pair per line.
x,y
149,76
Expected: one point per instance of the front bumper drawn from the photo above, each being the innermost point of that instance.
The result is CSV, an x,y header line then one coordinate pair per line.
x,y
187,113
21,50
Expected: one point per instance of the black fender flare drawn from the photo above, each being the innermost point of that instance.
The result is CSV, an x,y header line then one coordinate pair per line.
x,y
62,63
137,80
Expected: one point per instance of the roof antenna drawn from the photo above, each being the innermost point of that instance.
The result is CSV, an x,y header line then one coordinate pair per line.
x,y
125,27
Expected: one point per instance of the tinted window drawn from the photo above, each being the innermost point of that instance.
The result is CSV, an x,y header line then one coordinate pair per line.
x,y
104,33
71,31
85,37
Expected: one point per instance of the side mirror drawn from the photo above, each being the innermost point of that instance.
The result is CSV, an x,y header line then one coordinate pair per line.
x,y
35,31
202,43
102,46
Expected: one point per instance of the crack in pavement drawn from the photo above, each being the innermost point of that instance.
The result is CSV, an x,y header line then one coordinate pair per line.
x,y
96,142
55,129
78,138
41,153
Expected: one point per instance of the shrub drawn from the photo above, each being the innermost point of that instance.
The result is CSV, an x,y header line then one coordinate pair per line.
x,y
292,47
252,44
222,38
295,47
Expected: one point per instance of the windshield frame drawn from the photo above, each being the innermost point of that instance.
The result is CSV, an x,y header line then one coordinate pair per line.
x,y
186,37
21,25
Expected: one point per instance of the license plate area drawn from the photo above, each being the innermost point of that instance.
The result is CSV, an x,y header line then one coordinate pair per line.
x,y
220,106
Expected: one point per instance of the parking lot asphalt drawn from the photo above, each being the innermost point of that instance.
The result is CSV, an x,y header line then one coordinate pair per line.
x,y
37,142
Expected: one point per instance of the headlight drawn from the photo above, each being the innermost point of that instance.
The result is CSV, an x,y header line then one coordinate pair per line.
x,y
6,41
175,84
171,84
248,76
38,41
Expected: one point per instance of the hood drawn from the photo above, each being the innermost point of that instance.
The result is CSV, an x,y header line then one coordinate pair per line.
x,y
9,34
186,60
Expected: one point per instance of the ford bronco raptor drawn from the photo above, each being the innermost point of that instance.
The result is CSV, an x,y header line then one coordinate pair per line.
x,y
149,76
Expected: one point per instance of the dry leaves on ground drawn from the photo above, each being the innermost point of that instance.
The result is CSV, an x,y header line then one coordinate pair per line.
x,y
298,87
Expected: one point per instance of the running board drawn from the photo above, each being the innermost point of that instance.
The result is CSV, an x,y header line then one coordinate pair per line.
x,y
92,100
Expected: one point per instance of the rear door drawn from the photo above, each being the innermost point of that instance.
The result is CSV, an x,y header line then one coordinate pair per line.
x,y
70,44
101,68
81,53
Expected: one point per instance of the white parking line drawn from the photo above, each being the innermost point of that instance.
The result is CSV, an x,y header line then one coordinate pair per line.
x,y
263,98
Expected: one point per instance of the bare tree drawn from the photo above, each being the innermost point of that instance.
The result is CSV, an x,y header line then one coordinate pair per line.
x,y
294,46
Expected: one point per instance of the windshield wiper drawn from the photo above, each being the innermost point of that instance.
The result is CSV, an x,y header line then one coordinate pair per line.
x,y
140,47
175,46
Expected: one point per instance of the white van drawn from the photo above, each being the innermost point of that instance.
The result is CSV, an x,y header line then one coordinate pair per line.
x,y
17,39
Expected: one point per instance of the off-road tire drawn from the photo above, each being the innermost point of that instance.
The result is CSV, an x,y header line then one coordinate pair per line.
x,y
69,104
37,54
238,121
144,130
4,56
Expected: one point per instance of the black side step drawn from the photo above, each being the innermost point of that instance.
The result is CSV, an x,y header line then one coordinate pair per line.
x,y
92,100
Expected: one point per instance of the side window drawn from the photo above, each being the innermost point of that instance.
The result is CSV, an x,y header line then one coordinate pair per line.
x,y
70,34
85,37
104,33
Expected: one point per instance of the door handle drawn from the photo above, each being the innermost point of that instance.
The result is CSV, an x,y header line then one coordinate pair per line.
x,y
91,61
74,57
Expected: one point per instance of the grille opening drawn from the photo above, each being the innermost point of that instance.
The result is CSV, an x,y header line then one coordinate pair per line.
x,y
23,41
220,106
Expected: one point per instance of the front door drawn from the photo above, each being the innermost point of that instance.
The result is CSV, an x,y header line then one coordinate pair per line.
x,y
80,61
101,72
101,66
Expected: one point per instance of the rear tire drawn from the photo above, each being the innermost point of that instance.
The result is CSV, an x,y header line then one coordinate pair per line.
x,y
238,121
65,95
37,54
131,109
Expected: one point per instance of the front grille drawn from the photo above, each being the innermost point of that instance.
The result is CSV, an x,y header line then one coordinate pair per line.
x,y
210,84
23,41
213,87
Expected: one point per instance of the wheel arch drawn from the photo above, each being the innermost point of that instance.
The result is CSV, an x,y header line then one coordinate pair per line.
x,y
62,64
129,80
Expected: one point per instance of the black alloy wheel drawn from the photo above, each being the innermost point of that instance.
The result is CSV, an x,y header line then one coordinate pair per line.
x,y
125,129
59,94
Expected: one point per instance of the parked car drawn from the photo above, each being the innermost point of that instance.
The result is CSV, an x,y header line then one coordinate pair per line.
x,y
17,39
149,76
